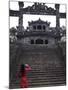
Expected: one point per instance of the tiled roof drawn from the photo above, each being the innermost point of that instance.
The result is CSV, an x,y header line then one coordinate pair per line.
x,y
39,21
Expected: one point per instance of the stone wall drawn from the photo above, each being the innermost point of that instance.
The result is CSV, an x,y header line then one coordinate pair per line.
x,y
27,40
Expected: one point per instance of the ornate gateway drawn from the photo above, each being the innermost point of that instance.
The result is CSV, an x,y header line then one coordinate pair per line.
x,y
39,46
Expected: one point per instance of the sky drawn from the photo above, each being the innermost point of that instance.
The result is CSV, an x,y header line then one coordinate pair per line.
x,y
26,18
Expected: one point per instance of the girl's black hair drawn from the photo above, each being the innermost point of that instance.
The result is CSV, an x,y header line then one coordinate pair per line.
x,y
22,68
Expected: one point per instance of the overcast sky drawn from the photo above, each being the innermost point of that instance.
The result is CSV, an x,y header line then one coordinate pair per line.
x,y
26,18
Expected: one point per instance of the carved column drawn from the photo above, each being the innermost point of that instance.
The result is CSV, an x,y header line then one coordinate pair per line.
x,y
21,4
57,19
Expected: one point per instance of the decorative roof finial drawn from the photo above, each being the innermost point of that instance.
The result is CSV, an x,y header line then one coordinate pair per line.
x,y
39,19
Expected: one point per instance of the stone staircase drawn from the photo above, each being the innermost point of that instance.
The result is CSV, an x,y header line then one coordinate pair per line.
x,y
47,67
49,77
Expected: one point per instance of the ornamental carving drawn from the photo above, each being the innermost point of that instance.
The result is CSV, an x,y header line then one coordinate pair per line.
x,y
39,8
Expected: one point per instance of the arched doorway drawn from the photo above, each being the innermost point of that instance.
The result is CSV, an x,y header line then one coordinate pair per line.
x,y
32,41
46,41
39,41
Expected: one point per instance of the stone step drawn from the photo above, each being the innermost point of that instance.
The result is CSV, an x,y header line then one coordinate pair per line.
x,y
47,84
45,75
41,76
16,86
46,80
42,69
46,70
38,80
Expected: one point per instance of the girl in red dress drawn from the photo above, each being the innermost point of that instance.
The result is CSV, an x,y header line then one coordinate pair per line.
x,y
23,71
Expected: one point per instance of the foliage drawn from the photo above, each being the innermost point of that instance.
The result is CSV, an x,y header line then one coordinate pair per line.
x,y
13,35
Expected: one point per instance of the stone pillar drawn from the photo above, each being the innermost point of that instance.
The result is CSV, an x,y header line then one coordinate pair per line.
x,y
57,19
43,41
21,4
34,41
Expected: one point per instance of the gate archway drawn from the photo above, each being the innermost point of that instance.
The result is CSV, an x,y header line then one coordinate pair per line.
x,y
39,41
